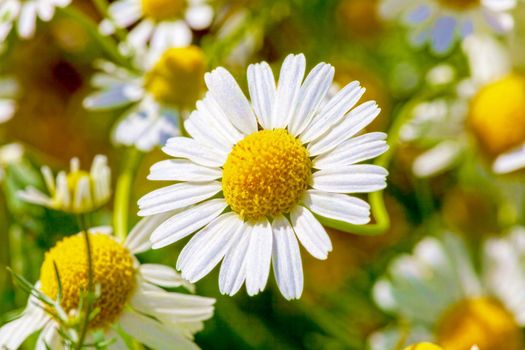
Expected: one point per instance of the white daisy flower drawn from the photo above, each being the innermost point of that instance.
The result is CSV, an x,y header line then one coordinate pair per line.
x,y
8,92
161,89
252,175
24,13
437,295
130,298
77,191
161,24
487,105
440,22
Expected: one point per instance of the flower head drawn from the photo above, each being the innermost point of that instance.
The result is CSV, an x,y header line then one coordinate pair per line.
x,y
130,297
78,191
467,309
440,22
251,175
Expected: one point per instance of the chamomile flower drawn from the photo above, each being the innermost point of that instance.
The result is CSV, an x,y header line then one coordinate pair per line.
x,y
252,175
157,93
131,296
24,14
440,22
438,295
8,91
77,191
161,24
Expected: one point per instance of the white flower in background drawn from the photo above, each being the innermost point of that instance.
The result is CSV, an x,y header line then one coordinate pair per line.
x,y
441,22
77,191
24,14
10,154
8,92
253,173
489,105
161,89
437,293
161,24
130,295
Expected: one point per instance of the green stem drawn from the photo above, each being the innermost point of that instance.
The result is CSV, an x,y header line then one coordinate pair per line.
x,y
90,287
104,42
123,192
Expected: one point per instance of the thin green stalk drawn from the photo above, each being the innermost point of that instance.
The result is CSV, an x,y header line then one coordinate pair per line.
x,y
88,303
123,192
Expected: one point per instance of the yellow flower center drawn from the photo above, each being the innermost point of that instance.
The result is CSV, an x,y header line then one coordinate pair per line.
x,y
459,4
424,346
483,322
113,271
160,10
73,178
497,115
177,78
266,174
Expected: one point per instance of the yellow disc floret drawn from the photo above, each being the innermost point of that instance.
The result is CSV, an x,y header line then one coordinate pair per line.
x,y
266,174
497,115
160,10
459,4
113,271
177,78
424,346
482,321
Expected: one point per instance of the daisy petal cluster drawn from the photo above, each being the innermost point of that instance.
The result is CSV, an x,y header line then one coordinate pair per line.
x,y
441,22
23,15
132,297
76,191
253,175
467,309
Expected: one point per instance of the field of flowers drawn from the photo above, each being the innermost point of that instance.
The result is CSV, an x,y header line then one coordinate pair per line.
x,y
262,174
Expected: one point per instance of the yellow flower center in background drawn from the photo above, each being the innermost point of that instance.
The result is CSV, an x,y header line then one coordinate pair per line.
x,y
497,115
160,10
73,178
266,174
459,4
113,271
424,346
483,322
177,78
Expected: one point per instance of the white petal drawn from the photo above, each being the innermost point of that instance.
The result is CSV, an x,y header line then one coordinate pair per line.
x,y
510,161
355,150
437,159
45,10
225,90
203,131
139,36
177,196
115,97
312,93
164,276
286,260
261,84
170,34
351,179
182,170
138,239
14,333
199,17
233,268
290,79
215,118
331,113
354,122
258,257
27,20
153,334
310,233
186,222
49,338
204,251
189,148
338,206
